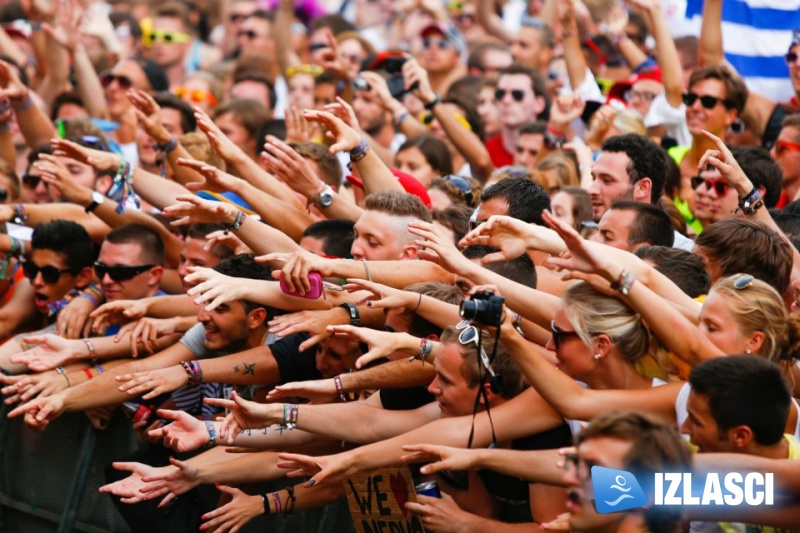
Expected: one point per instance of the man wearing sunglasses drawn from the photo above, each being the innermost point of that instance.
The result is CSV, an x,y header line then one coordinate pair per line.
x,y
716,200
519,98
58,267
442,48
786,152
130,264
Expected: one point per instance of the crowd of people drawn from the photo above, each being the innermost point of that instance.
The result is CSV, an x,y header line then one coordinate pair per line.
x,y
500,242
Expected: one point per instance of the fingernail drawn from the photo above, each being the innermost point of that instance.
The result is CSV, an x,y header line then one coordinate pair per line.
x,y
312,482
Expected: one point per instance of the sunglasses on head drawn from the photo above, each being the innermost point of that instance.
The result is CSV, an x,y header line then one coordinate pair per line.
x,y
119,273
709,102
461,184
108,78
786,146
791,57
718,184
559,335
441,44
50,274
165,36
469,334
743,281
632,95
31,181
197,96
517,94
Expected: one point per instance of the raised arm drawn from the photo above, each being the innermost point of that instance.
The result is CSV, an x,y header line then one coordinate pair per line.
x,y
666,52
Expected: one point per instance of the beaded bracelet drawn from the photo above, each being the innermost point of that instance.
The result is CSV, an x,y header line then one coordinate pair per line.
x,y
193,370
290,412
624,282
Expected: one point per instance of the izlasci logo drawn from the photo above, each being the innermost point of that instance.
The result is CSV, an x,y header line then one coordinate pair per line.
x,y
618,490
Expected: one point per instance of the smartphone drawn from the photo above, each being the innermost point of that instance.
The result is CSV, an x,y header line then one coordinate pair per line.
x,y
314,279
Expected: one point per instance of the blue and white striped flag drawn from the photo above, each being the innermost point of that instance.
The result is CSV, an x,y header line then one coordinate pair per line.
x,y
756,36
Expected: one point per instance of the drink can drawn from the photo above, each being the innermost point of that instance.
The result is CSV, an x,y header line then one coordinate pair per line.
x,y
429,488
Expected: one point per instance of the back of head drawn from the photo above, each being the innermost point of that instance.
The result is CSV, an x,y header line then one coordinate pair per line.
x,y
201,231
655,447
67,238
651,225
648,160
329,169
455,218
591,313
757,307
762,170
245,266
683,268
336,236
167,100
788,223
738,245
743,390
444,292
397,204
150,243
525,198
502,364
521,270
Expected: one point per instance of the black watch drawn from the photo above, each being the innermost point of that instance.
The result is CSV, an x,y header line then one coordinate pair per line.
x,y
433,103
97,199
355,316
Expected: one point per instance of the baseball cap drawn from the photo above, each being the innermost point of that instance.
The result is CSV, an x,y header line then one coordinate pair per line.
x,y
409,183
618,90
450,34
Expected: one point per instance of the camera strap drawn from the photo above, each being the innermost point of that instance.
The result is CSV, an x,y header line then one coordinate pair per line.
x,y
483,375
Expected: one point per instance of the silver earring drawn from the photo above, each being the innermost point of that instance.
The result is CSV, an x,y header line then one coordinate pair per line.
x,y
748,351
597,357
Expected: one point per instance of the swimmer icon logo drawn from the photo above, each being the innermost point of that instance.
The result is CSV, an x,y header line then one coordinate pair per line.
x,y
616,490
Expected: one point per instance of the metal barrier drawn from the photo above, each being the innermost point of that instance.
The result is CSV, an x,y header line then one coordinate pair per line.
x,y
49,481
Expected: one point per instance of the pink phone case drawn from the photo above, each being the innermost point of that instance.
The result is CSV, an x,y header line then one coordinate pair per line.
x,y
314,278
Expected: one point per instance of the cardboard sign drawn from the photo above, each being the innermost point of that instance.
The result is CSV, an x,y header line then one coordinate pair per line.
x,y
378,499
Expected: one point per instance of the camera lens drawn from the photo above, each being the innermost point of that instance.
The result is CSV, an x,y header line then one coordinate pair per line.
x,y
469,309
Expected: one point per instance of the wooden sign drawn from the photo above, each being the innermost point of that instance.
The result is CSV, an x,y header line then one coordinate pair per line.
x,y
378,499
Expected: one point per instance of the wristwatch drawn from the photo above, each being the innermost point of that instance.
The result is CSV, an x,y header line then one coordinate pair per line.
x,y
324,197
97,199
355,316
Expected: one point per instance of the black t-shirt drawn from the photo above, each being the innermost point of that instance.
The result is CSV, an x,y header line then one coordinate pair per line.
x,y
514,490
294,365
405,399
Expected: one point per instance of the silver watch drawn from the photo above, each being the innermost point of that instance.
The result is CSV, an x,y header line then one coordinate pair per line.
x,y
325,197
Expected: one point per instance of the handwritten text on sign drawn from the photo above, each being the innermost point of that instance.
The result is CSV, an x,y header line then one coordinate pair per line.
x,y
378,501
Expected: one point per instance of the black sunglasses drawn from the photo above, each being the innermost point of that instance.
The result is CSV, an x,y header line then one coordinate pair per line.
x,y
791,57
719,184
50,274
709,102
119,273
31,181
108,78
250,34
559,335
517,94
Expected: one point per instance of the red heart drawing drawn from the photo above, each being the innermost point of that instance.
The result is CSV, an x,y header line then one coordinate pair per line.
x,y
399,487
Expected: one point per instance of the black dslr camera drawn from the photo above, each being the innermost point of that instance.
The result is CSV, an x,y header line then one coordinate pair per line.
x,y
484,308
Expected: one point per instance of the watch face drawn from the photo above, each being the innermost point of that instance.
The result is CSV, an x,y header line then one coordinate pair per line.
x,y
326,199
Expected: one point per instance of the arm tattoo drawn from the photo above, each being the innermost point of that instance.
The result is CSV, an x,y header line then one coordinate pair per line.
x,y
236,369
249,369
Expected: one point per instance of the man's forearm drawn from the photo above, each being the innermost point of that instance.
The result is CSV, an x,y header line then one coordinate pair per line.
x,y
398,274
395,374
255,366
